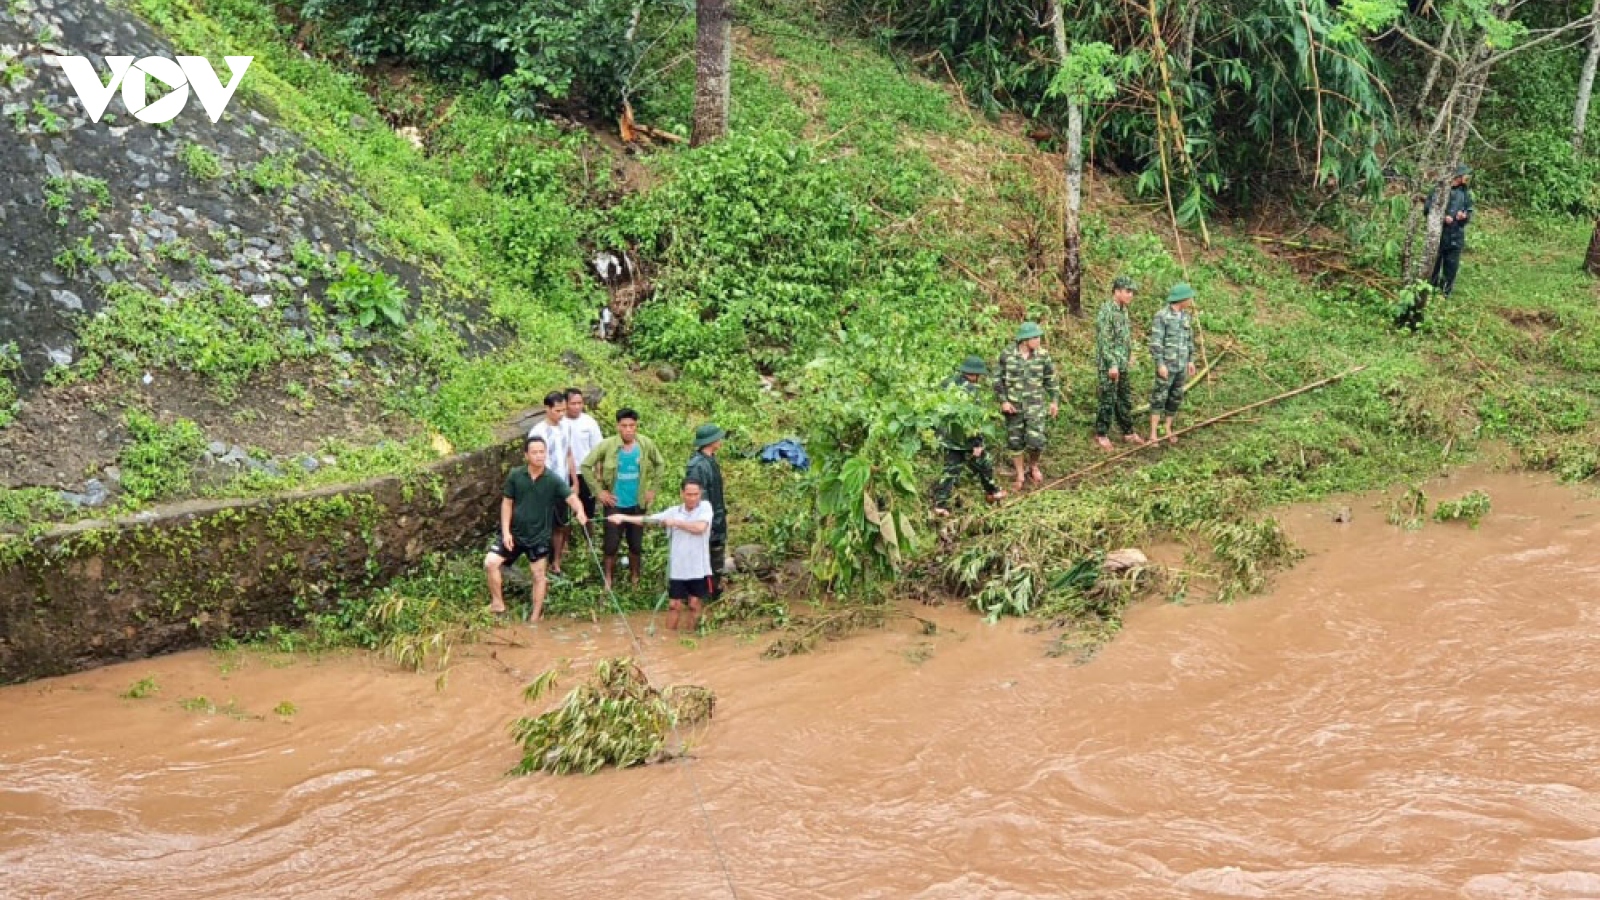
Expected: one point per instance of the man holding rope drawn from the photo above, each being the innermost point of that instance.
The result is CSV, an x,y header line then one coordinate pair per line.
x,y
527,518
688,552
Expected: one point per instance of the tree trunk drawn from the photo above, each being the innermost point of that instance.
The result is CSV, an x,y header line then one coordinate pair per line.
x,y
713,70
1189,14
1071,229
1591,263
1433,70
1580,111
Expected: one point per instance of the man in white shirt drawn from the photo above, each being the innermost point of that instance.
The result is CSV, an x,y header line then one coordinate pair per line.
x,y
557,436
689,551
585,434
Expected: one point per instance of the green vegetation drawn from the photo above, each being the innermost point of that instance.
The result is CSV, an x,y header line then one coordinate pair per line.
x,y
156,464
616,718
367,294
10,362
1470,507
203,165
142,688
285,709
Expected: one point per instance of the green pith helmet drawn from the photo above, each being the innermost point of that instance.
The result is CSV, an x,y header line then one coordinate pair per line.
x,y
706,435
1463,171
1180,292
1028,331
974,365
1124,283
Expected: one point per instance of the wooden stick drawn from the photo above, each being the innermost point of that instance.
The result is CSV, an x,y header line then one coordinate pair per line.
x,y
1199,425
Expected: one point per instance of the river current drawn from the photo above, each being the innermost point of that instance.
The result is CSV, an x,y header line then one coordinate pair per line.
x,y
1404,715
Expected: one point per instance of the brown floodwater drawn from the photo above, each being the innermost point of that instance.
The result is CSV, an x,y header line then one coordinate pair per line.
x,y
1405,715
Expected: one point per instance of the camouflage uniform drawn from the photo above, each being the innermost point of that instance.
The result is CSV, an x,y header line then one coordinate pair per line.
x,y
1172,345
958,452
1113,340
1031,386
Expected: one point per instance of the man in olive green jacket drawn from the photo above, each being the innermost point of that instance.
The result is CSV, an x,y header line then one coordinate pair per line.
x,y
623,470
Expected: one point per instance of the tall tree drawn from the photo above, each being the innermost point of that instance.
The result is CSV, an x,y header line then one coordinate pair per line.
x,y
1071,229
1580,111
713,70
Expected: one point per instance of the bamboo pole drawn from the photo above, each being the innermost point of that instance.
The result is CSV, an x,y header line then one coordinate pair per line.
x,y
1199,376
1199,425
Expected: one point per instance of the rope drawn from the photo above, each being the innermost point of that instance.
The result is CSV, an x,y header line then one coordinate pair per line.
x,y
688,768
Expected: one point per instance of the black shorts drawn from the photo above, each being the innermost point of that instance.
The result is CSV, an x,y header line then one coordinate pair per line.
x,y
586,497
534,552
561,515
684,588
635,533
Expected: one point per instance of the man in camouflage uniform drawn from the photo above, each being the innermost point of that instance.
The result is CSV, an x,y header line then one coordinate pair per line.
x,y
1172,345
964,451
1028,389
1113,352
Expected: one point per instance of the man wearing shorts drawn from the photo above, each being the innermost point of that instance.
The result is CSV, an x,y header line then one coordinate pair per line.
x,y
689,552
556,433
623,469
527,514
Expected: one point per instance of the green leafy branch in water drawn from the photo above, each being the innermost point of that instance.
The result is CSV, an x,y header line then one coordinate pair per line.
x,y
1409,510
614,719
1472,507
1248,552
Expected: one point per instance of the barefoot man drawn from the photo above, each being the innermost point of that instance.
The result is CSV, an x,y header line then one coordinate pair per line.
x,y
1113,351
527,513
688,551
1028,390
963,447
1172,345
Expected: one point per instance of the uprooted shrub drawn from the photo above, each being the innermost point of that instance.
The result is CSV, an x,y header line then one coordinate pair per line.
x,y
616,718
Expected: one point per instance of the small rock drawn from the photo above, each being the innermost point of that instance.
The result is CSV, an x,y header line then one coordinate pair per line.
x,y
217,448
236,456
666,373
330,461
59,357
95,492
53,166
21,286
310,464
1342,515
357,123
1125,559
113,474
751,559
68,299
147,379
262,301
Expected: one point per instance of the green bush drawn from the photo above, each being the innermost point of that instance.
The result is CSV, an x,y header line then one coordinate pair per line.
x,y
158,463
10,362
367,294
539,50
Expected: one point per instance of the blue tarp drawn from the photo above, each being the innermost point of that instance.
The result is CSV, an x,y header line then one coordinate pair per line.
x,y
789,451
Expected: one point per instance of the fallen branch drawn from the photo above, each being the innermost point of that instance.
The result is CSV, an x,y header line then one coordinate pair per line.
x,y
1197,426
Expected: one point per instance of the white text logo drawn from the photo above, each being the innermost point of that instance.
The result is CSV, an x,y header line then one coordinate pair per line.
x,y
187,72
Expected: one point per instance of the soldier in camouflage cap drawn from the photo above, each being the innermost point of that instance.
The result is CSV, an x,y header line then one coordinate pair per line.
x,y
963,450
1113,353
1028,390
1172,345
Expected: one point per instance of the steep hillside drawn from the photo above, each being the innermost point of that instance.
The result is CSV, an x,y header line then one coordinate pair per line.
x,y
816,273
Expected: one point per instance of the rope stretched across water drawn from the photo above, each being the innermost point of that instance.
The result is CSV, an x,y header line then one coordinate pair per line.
x,y
688,767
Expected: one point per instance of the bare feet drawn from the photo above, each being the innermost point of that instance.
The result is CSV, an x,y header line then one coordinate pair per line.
x,y
941,512
1172,439
1134,439
1038,475
997,496
1103,442
1017,485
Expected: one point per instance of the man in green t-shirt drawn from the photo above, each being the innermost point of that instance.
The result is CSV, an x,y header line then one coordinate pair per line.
x,y
623,470
527,511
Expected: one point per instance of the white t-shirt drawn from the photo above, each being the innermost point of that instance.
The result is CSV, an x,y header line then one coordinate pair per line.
x,y
585,434
557,441
689,555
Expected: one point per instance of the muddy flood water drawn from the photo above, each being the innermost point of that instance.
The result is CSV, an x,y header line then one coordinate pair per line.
x,y
1406,715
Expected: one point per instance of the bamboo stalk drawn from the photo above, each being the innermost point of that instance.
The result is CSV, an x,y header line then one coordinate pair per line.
x,y
1199,376
1199,425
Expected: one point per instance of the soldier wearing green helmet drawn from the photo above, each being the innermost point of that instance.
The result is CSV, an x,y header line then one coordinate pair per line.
x,y
1029,390
1113,353
1172,345
964,450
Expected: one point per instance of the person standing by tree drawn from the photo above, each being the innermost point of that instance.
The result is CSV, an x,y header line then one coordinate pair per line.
x,y
557,436
1172,345
704,470
1029,391
623,469
1113,352
1453,239
689,578
585,434
527,514
963,448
